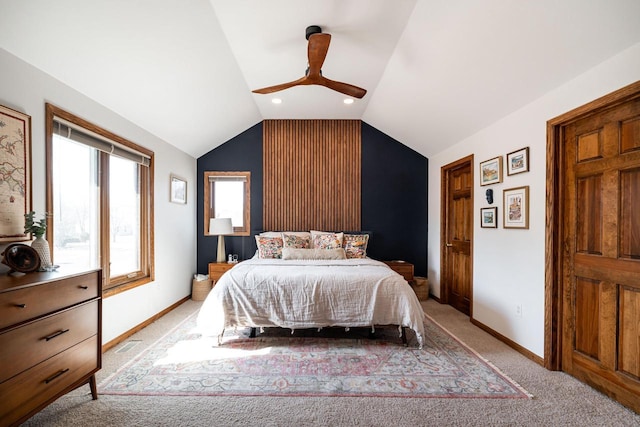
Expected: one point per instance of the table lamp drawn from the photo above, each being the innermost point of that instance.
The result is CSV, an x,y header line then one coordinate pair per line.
x,y
219,227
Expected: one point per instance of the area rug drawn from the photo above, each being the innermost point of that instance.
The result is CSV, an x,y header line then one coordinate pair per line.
x,y
183,363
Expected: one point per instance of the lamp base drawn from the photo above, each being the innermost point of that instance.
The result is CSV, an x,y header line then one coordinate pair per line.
x,y
221,250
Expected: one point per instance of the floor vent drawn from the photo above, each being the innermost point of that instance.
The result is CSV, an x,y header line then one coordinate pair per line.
x,y
128,346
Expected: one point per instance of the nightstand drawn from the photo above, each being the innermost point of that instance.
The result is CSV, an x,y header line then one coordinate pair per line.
x,y
405,269
217,269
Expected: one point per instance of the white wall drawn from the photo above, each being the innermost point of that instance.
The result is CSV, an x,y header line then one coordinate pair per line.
x,y
508,264
26,89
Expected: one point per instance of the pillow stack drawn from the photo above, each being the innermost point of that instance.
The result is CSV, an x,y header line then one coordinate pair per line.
x,y
312,244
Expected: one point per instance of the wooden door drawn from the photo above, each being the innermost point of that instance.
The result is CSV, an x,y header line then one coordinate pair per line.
x,y
601,255
457,234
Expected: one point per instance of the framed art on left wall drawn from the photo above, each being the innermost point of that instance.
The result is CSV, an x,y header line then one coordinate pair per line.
x,y
15,168
178,190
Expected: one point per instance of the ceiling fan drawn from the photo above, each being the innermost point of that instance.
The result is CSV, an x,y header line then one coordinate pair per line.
x,y
316,53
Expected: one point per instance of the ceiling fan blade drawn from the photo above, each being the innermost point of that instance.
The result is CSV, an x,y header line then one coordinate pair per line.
x,y
282,86
317,52
346,88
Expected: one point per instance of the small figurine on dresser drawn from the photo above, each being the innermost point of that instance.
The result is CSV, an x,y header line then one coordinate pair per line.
x,y
20,257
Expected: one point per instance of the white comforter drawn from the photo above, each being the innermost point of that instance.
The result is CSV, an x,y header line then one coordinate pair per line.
x,y
303,294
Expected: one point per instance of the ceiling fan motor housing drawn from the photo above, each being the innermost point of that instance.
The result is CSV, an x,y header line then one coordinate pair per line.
x,y
312,29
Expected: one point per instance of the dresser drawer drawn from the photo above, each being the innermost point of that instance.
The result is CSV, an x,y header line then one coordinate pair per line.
x,y
217,269
27,303
28,345
405,271
35,387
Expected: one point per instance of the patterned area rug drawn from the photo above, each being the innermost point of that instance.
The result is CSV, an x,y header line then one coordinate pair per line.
x,y
331,362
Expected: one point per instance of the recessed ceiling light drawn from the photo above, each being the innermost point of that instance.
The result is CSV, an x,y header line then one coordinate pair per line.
x,y
276,101
348,101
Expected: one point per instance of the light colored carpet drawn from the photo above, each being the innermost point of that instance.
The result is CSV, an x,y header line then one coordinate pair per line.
x,y
559,399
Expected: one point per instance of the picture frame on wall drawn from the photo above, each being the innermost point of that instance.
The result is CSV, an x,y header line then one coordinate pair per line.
x,y
491,171
518,161
15,187
516,207
178,190
489,217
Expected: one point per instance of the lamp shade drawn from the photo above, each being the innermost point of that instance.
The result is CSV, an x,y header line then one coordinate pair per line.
x,y
220,226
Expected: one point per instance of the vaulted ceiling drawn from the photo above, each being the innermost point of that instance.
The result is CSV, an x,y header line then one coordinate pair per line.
x,y
436,71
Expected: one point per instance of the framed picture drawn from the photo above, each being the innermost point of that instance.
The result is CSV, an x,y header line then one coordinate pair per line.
x,y
516,207
15,185
491,171
178,190
489,217
518,161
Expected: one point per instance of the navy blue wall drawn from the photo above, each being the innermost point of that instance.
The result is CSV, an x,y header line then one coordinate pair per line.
x,y
394,197
241,153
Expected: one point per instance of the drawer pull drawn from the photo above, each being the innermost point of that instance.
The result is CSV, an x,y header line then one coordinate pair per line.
x,y
55,334
84,287
56,375
21,305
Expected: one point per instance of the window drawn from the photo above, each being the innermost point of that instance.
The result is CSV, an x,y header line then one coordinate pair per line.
x,y
227,195
99,201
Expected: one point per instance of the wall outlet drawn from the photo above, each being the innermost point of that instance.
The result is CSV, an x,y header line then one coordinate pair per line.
x,y
519,310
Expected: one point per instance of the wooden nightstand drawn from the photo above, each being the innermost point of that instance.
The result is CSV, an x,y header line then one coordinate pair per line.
x,y
217,269
405,269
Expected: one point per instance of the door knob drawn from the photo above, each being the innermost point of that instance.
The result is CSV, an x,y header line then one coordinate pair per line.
x,y
449,245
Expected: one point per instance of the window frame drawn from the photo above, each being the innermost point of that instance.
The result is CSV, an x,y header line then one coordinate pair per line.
x,y
209,209
146,274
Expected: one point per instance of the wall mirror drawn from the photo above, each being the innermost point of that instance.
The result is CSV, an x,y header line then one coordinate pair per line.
x,y
227,195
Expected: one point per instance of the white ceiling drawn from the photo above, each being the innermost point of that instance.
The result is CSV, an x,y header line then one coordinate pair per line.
x,y
436,71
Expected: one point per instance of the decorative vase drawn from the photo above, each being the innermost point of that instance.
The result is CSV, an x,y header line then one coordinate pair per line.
x,y
41,246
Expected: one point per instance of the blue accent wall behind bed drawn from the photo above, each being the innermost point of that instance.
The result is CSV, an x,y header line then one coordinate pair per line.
x,y
394,197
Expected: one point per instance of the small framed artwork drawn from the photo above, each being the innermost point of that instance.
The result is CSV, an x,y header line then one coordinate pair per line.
x,y
489,217
518,161
491,171
516,207
15,180
178,190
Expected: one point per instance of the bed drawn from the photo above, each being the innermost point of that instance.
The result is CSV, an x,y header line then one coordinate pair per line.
x,y
310,293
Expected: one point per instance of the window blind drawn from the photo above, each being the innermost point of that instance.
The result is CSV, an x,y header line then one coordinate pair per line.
x,y
228,178
70,131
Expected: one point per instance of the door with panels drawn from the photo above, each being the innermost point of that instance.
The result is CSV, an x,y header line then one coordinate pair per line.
x,y
601,251
457,238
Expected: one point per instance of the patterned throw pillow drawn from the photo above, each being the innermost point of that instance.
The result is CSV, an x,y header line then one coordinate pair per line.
x,y
296,241
269,247
327,241
355,245
314,233
271,234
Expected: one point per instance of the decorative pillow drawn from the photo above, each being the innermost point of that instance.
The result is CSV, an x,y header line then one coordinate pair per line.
x,y
296,240
355,245
316,235
296,253
327,241
269,247
271,234
299,233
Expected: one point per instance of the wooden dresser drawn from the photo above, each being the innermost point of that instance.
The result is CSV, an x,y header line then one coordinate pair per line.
x,y
50,339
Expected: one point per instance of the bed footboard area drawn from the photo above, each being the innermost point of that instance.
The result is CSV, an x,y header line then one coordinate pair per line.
x,y
372,334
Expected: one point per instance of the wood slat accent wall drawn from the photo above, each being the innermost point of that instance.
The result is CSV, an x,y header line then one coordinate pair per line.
x,y
312,174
